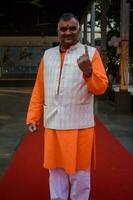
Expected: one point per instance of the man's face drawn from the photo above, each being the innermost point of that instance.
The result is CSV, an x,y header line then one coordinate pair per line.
x,y
68,32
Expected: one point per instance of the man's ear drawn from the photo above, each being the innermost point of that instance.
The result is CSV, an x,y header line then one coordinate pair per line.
x,y
79,28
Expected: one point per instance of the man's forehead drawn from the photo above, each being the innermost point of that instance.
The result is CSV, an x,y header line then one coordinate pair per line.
x,y
72,21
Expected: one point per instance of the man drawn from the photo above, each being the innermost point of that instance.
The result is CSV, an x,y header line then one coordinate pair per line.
x,y
68,77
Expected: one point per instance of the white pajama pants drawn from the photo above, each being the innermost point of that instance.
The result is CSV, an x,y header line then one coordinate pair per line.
x,y
59,182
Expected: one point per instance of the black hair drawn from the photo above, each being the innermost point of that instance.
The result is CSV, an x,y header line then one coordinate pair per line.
x,y
67,16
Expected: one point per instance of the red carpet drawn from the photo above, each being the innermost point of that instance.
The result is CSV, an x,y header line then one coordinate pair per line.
x,y
113,177
26,179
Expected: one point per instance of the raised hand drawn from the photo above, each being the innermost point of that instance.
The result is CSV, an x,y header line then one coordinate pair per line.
x,y
84,63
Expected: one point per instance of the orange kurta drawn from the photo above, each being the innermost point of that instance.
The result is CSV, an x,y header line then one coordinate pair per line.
x,y
68,149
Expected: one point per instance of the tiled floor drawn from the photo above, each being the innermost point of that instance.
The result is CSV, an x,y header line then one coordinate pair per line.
x,y
13,108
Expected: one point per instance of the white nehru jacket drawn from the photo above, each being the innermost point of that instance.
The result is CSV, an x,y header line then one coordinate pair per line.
x,y
72,107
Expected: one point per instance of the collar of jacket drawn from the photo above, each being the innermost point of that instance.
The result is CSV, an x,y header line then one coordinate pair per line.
x,y
78,44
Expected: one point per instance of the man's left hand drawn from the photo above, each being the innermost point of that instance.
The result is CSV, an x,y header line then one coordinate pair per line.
x,y
84,63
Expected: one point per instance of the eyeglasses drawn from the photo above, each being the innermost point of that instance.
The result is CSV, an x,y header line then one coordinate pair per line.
x,y
71,29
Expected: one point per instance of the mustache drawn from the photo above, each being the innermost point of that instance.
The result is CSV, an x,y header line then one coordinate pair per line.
x,y
69,36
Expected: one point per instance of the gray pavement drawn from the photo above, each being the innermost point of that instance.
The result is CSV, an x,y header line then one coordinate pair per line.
x,y
13,108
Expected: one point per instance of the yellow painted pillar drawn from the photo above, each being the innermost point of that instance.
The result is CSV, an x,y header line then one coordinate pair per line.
x,y
123,97
124,48
124,65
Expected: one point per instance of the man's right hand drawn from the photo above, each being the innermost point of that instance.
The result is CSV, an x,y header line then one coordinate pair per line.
x,y
32,127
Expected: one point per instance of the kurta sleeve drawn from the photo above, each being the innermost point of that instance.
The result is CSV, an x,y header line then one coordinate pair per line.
x,y
35,109
98,82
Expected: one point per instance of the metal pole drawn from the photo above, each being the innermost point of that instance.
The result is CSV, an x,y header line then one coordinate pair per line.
x,y
104,7
93,23
85,30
